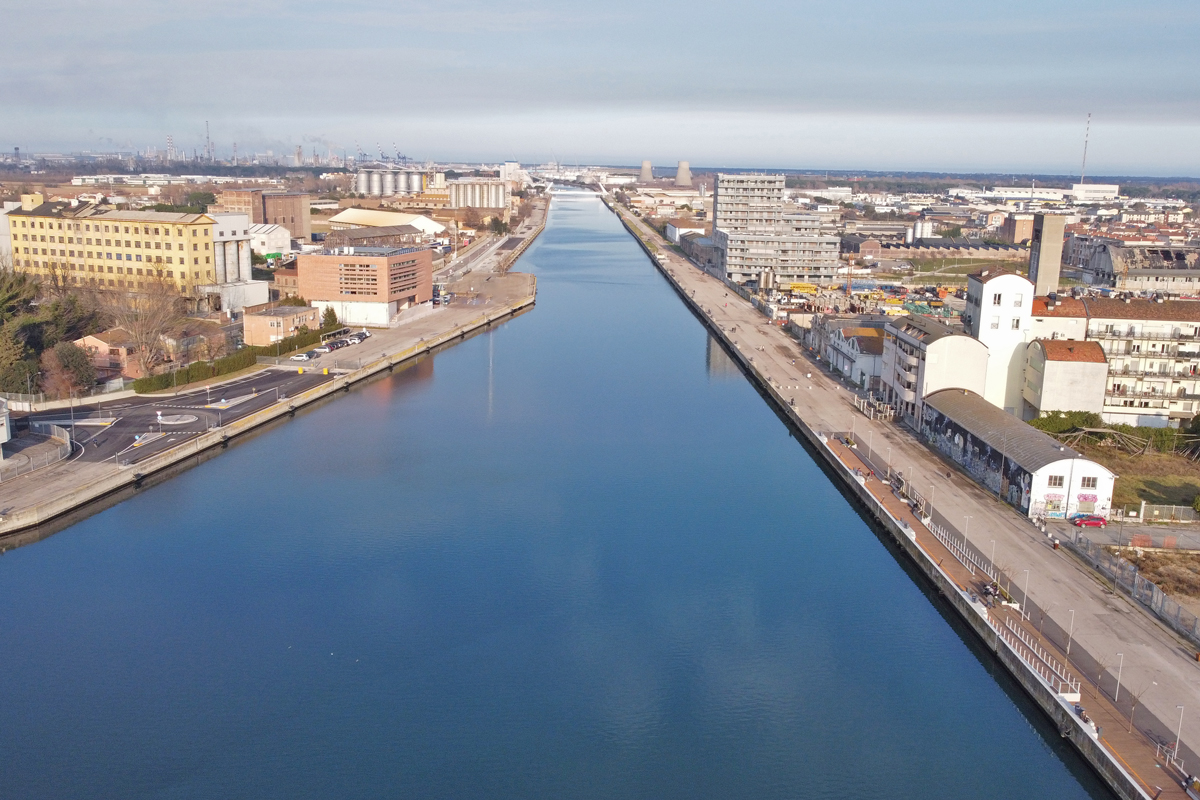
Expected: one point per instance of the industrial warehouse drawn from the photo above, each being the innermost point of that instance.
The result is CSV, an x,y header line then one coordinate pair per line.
x,y
1028,469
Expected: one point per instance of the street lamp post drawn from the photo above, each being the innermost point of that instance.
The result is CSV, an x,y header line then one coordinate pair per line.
x,y
1120,668
1179,732
1025,598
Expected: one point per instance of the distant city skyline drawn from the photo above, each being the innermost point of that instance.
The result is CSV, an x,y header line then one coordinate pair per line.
x,y
879,86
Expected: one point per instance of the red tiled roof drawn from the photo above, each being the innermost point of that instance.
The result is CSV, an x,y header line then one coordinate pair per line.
x,y
1070,350
1067,307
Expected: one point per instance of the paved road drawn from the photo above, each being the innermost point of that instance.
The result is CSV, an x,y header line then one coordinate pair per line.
x,y
1156,661
134,429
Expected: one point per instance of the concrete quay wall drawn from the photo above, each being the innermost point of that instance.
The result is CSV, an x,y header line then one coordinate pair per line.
x,y
1059,711
134,474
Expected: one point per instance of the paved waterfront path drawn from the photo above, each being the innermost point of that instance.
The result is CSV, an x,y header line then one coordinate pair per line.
x,y
83,469
1156,662
1133,749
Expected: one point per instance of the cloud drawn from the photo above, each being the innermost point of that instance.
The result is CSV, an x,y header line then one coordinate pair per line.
x,y
400,70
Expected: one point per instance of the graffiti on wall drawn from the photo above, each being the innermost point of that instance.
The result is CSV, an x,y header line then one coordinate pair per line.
x,y
987,465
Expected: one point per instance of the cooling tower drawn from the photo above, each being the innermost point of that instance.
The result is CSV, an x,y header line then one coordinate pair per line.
x,y
647,175
683,177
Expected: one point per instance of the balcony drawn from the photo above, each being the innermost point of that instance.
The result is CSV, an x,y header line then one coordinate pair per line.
x,y
905,359
1142,336
907,395
1181,394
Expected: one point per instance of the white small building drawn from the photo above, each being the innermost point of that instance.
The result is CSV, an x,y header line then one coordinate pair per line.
x,y
1064,375
857,353
270,241
676,229
922,356
1031,471
234,296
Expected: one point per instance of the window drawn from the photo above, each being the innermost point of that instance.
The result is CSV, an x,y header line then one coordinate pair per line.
x,y
1016,325
1018,300
995,323
1088,483
1055,481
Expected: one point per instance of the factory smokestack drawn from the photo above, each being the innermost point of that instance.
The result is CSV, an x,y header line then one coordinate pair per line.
x,y
647,175
683,177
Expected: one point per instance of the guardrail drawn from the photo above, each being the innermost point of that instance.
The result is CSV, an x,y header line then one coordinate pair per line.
x,y
8,471
1039,659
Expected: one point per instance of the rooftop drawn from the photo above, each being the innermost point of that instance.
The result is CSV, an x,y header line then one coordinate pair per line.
x,y
1018,441
922,329
282,311
384,230
1071,350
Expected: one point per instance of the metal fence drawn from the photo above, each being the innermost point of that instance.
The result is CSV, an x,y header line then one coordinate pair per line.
x,y
1125,577
1096,668
8,471
1149,512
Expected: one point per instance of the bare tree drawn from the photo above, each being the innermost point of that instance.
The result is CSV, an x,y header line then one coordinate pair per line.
x,y
56,283
1136,694
146,315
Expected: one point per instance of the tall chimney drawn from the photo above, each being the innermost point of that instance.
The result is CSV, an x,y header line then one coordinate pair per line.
x,y
647,175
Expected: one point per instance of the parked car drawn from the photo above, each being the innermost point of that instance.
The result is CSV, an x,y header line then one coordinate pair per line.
x,y
364,333
1088,521
356,338
309,356
338,344
322,348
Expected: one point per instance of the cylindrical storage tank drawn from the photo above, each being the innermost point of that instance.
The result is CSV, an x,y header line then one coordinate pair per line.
x,y
416,184
389,184
376,184
364,182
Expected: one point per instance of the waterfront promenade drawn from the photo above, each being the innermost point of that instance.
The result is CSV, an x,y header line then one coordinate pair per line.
x,y
110,455
1156,666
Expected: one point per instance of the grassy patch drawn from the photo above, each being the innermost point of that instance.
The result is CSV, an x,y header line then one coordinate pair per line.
x,y
1159,478
961,266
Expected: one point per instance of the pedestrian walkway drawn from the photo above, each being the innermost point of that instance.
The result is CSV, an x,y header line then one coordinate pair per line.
x,y
1156,661
1139,754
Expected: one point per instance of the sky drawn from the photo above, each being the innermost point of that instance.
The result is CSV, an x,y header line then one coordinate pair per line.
x,y
870,85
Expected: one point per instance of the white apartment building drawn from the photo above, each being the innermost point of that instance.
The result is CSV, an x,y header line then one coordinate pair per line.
x,y
922,356
758,242
1152,348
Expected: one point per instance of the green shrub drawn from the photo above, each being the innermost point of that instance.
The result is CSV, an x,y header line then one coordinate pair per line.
x,y
1164,440
246,357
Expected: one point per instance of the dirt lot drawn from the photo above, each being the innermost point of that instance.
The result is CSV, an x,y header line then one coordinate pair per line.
x,y
1154,477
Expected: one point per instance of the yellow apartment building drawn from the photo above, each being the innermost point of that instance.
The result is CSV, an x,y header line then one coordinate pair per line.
x,y
86,245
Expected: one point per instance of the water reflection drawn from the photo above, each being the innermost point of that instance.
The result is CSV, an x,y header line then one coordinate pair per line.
x,y
720,366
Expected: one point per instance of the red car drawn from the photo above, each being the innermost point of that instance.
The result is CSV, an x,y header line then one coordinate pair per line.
x,y
1089,521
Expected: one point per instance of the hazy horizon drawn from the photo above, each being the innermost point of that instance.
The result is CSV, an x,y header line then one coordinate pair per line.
x,y
876,86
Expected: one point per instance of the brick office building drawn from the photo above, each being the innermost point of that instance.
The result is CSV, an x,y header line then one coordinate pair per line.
x,y
366,285
292,210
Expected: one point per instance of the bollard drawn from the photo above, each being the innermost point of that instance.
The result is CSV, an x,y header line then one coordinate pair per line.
x,y
325,371
300,370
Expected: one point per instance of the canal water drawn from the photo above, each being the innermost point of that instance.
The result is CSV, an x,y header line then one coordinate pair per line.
x,y
576,557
